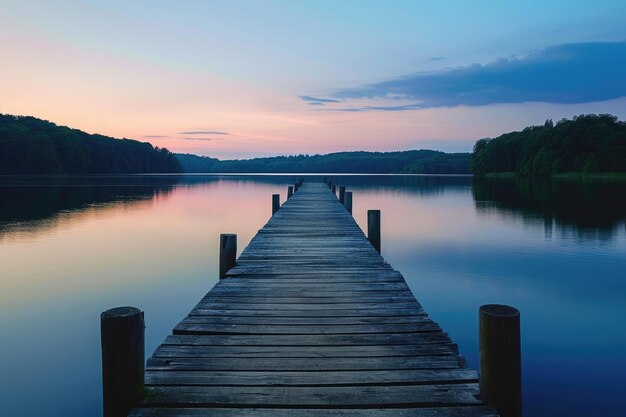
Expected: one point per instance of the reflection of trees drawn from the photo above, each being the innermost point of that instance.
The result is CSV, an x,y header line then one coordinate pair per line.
x,y
586,204
576,205
415,184
34,203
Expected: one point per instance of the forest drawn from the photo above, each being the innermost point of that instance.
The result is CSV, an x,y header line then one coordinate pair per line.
x,y
406,162
586,144
33,146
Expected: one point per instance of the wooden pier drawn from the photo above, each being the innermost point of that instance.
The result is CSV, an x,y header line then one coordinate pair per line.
x,y
310,322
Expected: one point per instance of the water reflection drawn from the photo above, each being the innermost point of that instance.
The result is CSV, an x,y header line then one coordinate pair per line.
x,y
414,184
35,204
590,208
71,247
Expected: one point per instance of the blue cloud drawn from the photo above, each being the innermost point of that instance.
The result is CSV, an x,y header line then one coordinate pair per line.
x,y
317,101
195,138
564,74
204,132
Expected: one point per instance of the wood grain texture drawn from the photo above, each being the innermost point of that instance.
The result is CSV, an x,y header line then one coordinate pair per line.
x,y
311,322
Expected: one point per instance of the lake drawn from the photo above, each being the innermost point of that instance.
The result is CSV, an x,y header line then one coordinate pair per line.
x,y
71,248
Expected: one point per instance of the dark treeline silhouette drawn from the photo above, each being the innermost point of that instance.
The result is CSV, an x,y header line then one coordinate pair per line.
x,y
584,205
585,144
407,162
33,146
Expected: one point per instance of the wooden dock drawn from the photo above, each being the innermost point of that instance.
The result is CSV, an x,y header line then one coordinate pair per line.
x,y
311,322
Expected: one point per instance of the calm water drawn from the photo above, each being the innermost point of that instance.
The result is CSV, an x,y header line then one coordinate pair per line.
x,y
71,248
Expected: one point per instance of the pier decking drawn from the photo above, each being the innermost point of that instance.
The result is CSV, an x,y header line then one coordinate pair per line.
x,y
311,322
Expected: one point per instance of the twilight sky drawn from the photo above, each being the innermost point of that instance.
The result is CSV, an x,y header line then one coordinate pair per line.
x,y
237,79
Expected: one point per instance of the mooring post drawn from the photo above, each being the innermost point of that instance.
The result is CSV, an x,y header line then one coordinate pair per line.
x,y
289,192
334,189
373,228
295,187
228,253
275,203
500,359
122,338
348,204
342,194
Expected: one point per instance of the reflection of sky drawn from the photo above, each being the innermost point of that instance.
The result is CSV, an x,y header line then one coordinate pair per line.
x,y
160,255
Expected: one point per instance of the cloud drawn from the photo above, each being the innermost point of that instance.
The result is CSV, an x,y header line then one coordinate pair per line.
x,y
436,58
155,136
317,101
203,132
563,74
196,138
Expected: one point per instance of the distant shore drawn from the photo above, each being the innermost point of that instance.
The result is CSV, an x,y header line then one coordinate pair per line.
x,y
562,175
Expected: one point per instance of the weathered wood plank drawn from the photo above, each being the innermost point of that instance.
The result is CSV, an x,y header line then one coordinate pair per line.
x,y
475,411
192,326
320,321
220,351
356,305
352,396
328,312
297,364
310,340
311,378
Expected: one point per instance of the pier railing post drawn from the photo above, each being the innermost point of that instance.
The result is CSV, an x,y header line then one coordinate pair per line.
x,y
295,187
342,194
348,201
122,337
275,203
289,192
334,189
373,228
228,253
500,359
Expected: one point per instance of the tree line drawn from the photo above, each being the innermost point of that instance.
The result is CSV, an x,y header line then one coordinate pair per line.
x,y
33,146
407,162
586,144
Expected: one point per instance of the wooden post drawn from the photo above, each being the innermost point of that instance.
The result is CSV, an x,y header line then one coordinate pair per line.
x,y
275,203
348,203
228,253
342,194
330,184
122,338
500,359
295,187
289,192
334,189
373,228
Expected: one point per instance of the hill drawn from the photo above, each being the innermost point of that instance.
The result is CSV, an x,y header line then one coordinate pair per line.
x,y
33,146
586,144
407,162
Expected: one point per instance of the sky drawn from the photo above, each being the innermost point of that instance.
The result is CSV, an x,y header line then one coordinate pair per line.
x,y
240,79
